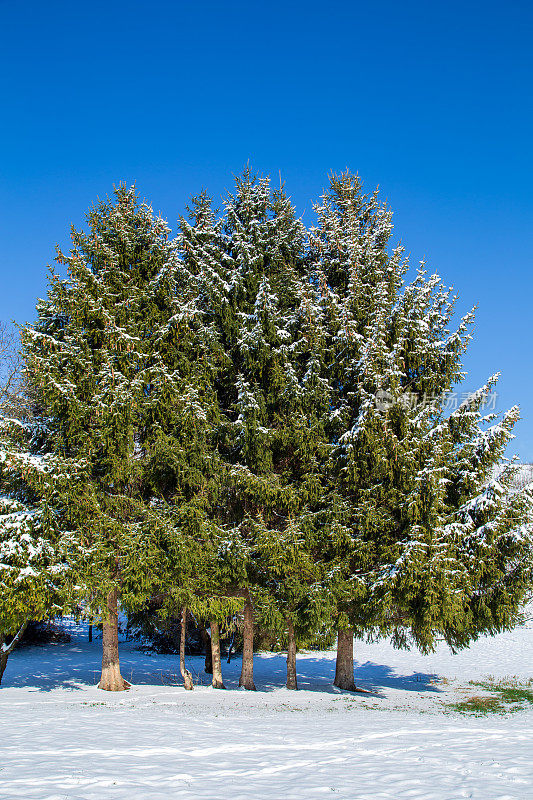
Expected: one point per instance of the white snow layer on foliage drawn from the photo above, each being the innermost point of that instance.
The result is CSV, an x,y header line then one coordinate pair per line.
x,y
65,739
15,523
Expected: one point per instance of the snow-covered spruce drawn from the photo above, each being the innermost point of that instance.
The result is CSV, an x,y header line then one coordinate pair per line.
x,y
111,364
251,269
251,424
424,543
32,570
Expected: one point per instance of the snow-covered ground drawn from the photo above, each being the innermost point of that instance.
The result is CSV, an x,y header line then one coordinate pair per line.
x,y
63,739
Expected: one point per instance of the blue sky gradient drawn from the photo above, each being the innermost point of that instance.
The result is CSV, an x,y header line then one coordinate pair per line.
x,y
432,101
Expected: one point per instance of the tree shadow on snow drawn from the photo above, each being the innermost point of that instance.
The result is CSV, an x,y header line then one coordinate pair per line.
x,y
316,674
76,666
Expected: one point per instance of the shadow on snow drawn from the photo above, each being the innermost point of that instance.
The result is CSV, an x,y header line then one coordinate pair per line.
x,y
76,665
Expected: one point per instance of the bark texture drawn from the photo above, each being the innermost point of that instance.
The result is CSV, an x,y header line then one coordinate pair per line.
x,y
3,663
292,683
344,678
217,681
247,671
185,674
111,680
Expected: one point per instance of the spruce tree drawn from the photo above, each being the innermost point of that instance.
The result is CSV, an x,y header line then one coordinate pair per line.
x,y
32,572
250,269
108,358
409,551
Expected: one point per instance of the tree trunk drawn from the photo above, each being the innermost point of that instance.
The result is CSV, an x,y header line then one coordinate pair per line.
x,y
206,641
4,655
247,672
230,648
185,674
111,680
7,649
344,665
217,681
90,632
291,657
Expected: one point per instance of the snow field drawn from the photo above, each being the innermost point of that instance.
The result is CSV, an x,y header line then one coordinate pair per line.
x,y
66,740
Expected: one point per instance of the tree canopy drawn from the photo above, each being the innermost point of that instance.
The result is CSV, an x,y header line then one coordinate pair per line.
x,y
256,411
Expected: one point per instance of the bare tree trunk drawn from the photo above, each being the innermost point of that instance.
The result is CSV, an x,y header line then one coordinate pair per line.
x,y
7,649
90,631
111,680
206,641
185,674
247,671
292,683
217,681
344,678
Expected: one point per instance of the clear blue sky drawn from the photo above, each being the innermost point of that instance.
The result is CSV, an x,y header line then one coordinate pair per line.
x,y
432,101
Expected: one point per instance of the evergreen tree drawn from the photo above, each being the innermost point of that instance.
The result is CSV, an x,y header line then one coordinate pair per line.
x,y
408,550
252,419
250,270
32,571
108,358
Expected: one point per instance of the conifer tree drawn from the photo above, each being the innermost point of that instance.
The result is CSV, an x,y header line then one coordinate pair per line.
x,y
250,270
108,358
246,418
32,570
408,551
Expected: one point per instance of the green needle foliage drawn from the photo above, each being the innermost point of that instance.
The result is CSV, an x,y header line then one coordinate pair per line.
x,y
111,362
258,410
426,537
250,269
33,573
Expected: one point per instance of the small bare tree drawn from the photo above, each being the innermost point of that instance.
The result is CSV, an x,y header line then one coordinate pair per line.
x,y
12,394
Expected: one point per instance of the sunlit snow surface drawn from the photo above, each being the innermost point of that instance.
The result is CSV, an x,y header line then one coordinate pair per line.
x,y
63,739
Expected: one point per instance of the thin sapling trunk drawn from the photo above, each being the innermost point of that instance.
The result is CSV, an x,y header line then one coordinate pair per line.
x,y
292,683
185,674
217,681
3,660
247,672
206,641
7,649
230,648
3,664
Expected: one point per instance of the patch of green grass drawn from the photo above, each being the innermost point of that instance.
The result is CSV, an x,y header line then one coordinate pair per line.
x,y
508,696
510,692
503,683
479,705
517,695
511,681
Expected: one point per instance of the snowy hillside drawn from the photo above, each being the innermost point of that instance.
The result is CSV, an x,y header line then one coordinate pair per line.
x,y
66,740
